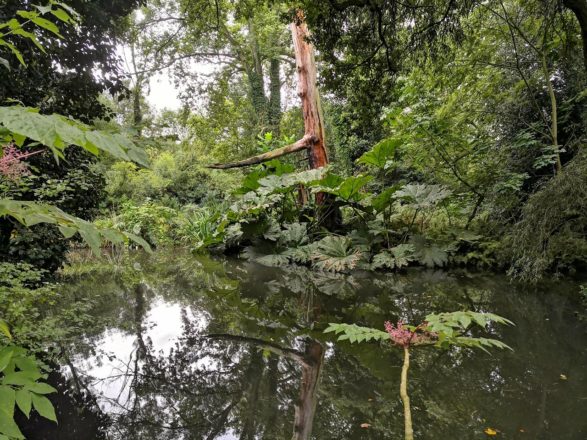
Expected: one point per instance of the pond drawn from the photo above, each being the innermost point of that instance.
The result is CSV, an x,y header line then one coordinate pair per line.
x,y
186,347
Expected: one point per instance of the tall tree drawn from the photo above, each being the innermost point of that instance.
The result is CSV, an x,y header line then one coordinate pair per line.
x,y
242,40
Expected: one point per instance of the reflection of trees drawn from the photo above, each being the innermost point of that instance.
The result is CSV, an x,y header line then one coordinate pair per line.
x,y
251,369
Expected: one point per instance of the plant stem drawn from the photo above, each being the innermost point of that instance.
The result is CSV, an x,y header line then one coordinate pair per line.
x,y
403,391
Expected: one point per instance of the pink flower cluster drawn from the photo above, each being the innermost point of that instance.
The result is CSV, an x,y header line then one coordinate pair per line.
x,y
11,163
404,337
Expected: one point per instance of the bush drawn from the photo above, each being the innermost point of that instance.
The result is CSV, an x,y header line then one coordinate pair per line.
x,y
552,232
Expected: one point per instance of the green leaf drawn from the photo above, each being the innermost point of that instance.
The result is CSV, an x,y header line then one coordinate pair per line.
x,y
423,196
21,378
428,254
91,236
273,260
381,153
335,254
29,36
41,388
9,427
349,189
43,9
46,24
7,400
44,407
14,51
5,329
385,199
60,14
354,333
5,357
24,401
57,132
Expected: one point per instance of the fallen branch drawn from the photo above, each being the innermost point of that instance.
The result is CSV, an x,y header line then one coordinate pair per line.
x,y
303,144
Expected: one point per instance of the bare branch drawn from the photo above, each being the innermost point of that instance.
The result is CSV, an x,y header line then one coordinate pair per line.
x,y
266,345
303,144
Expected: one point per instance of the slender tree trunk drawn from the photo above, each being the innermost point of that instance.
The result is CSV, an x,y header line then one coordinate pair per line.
x,y
553,114
403,391
256,78
274,108
136,93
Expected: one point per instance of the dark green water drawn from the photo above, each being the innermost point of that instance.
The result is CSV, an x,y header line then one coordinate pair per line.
x,y
185,348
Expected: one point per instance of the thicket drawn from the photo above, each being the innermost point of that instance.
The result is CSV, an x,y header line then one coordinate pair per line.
x,y
450,157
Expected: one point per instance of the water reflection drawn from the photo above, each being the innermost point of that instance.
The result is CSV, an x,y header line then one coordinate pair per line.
x,y
190,348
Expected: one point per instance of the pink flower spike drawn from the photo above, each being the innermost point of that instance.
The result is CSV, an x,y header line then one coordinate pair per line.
x,y
12,165
400,335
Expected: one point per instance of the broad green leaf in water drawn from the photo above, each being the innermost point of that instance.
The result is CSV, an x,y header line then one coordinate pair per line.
x,y
336,254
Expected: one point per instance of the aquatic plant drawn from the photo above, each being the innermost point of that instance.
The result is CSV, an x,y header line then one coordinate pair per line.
x,y
441,330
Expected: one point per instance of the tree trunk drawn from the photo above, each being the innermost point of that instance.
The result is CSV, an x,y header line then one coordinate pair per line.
x,y
579,8
274,108
256,78
313,140
308,92
403,391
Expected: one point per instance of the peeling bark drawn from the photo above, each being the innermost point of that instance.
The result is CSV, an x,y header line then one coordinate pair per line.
x,y
308,92
313,140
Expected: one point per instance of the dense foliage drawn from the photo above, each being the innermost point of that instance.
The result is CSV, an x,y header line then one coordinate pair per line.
x,y
455,133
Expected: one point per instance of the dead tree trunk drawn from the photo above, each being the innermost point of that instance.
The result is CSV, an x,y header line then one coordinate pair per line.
x,y
308,93
313,140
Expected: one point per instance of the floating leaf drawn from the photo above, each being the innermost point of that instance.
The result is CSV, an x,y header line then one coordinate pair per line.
x,y
490,431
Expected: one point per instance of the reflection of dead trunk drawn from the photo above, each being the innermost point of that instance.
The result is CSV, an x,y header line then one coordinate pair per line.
x,y
272,409
311,361
313,140
253,382
306,404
